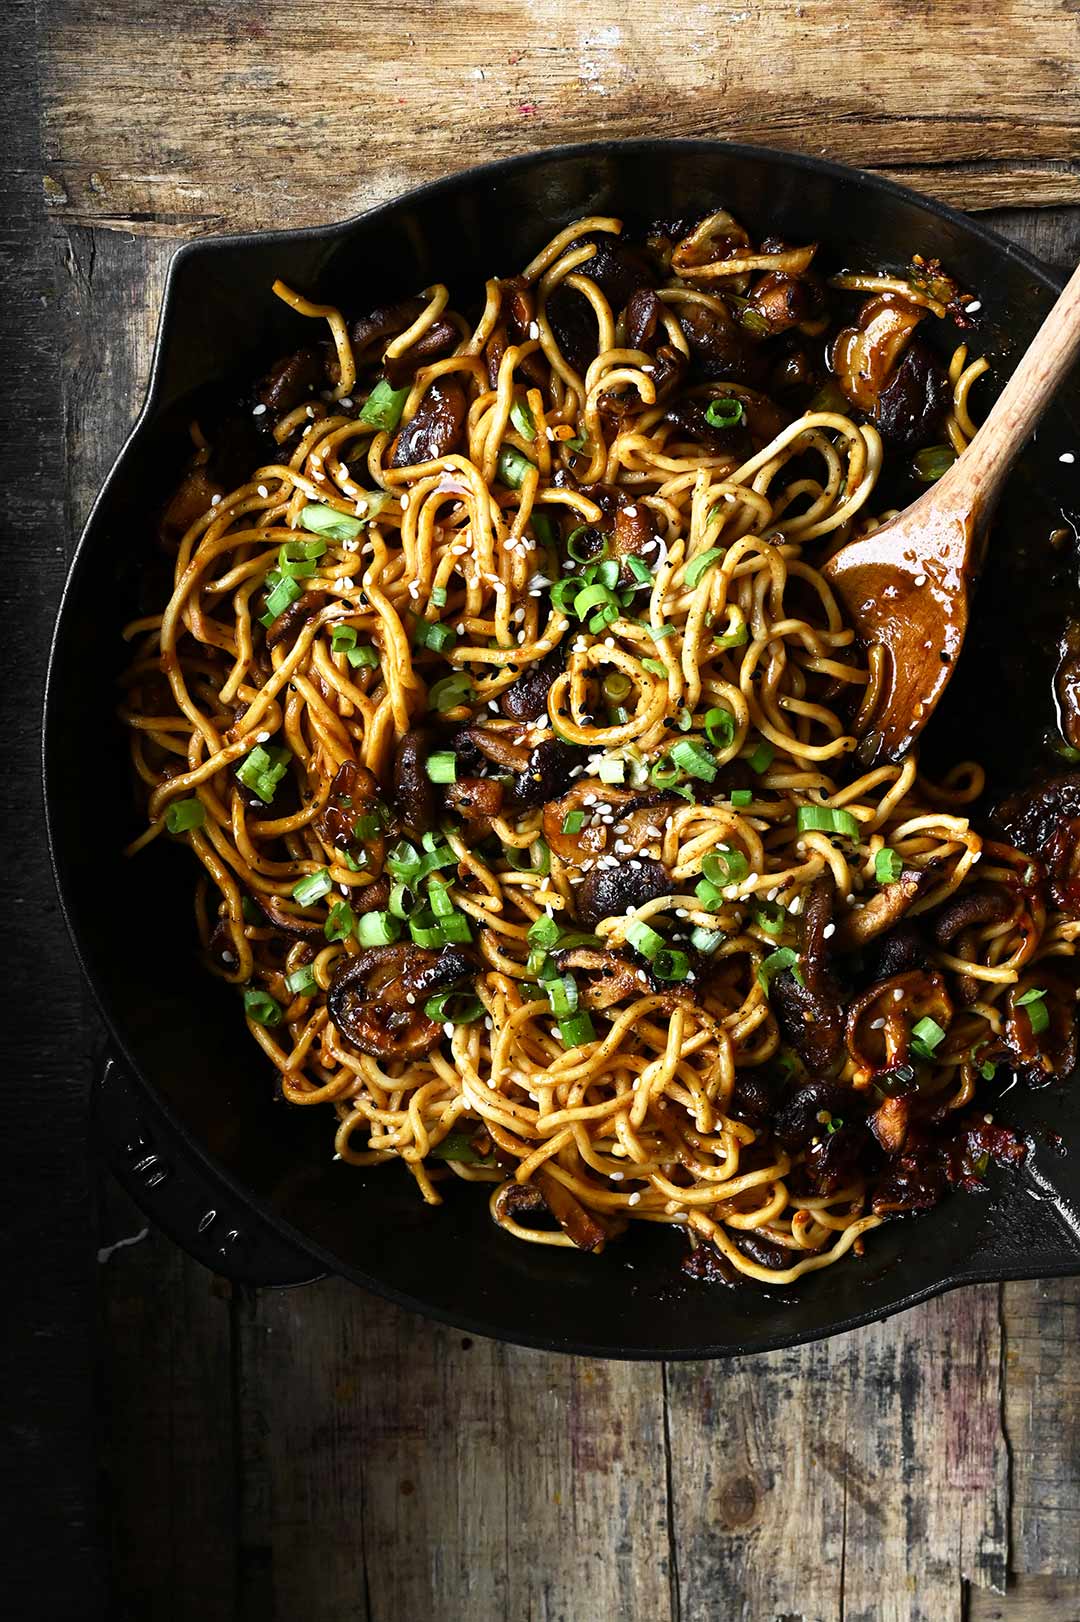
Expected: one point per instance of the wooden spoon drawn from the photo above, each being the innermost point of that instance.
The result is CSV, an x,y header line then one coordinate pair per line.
x,y
906,585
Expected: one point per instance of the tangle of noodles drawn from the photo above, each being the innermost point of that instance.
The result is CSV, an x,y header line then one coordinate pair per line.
x,y
514,728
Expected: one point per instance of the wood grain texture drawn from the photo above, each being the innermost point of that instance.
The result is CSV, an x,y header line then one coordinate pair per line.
x,y
172,116
318,1454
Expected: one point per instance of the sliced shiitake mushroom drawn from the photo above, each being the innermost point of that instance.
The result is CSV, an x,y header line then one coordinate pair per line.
x,y
376,997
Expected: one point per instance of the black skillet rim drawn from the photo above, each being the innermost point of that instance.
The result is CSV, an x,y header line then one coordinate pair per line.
x,y
171,1126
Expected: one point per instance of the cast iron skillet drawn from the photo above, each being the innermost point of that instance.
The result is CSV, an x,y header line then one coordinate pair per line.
x,y
184,1103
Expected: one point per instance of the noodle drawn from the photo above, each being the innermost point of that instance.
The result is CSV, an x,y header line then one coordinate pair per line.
x,y
515,730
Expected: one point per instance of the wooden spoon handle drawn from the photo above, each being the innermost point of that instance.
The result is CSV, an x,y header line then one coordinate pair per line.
x,y
1016,412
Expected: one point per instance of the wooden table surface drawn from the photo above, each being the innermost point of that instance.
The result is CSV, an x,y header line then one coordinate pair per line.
x,y
317,1454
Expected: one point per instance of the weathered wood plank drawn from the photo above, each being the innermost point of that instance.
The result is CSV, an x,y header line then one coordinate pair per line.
x,y
859,1479
1029,1599
183,117
414,1471
168,1453
1042,1420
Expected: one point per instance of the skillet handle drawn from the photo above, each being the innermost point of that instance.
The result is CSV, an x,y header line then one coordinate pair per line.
x,y
182,1195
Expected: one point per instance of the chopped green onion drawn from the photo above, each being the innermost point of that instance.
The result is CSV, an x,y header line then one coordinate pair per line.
x,y
441,767
431,634
183,815
543,932
573,822
512,467
724,866
888,865
456,1006
694,759
439,897
574,550
926,1035
378,929
250,911
734,637
594,596
932,461
383,406
425,930
296,560
313,887
262,770
656,666
363,657
1037,1011
701,563
705,940
577,1030
458,1146
617,685
770,917
354,864
562,994
324,520
543,528
833,1124
451,691
826,819
578,442
522,419
455,929
438,596
663,774
670,964
658,632
785,957
709,895
988,1070
563,593
261,1007
644,939
284,592
639,569
340,923
403,901
404,861
534,858
720,727
726,413
741,797
612,770
761,757
342,638
301,982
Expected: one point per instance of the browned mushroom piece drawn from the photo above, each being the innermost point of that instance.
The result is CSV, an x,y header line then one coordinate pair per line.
x,y
719,348
982,904
292,380
607,892
889,1123
880,1021
526,699
809,1009
290,923
1044,822
369,333
376,998
353,793
548,772
864,357
591,839
479,742
910,410
782,301
1039,1056
806,1112
863,924
544,1192
435,428
288,624
440,339
192,496
475,799
609,977
414,796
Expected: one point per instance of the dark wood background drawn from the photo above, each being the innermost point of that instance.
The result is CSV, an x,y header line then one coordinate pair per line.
x,y
238,1455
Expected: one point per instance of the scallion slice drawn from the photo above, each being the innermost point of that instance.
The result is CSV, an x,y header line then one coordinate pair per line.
x,y
761,757
439,897
785,957
262,770
671,964
932,461
926,1036
512,467
431,634
184,815
726,413
736,634
573,822
595,596
1034,1004
888,865
644,939
301,982
455,929
703,562
312,887
324,520
340,923
656,667
705,941
543,931
451,691
424,929
441,767
404,861
741,797
663,773
383,406
612,770
720,727
694,759
562,994
284,592
455,1007
724,866
575,1031
522,419
261,1007
826,819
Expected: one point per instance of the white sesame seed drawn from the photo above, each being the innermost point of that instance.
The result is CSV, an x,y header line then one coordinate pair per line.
x,y
534,329
1067,456
616,1176
262,737
404,500
877,1024
829,931
974,306
257,411
634,1199
448,1027
920,580
215,501
263,491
